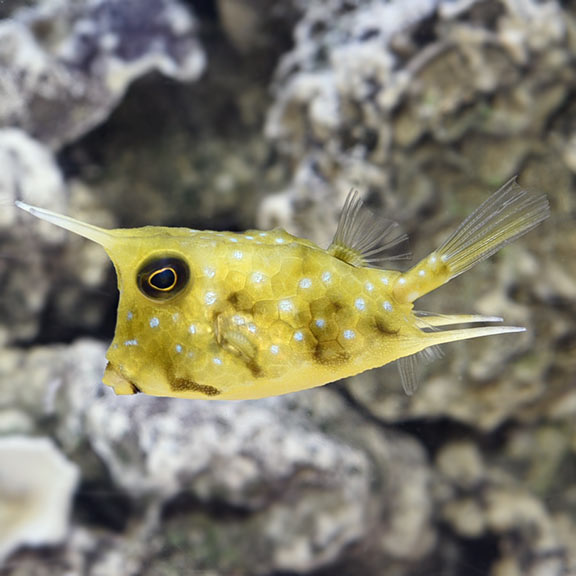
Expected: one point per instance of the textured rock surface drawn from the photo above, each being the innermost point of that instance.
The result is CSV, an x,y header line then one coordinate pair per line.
x,y
27,172
65,65
426,106
231,481
37,263
360,101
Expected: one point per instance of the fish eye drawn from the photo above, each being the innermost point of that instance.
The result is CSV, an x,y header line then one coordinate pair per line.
x,y
164,277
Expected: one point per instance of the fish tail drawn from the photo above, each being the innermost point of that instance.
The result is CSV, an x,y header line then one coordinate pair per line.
x,y
508,214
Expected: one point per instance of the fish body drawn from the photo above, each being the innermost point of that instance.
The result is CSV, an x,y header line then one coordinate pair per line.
x,y
238,316
264,314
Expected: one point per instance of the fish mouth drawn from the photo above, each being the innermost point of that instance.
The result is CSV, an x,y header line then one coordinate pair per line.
x,y
116,380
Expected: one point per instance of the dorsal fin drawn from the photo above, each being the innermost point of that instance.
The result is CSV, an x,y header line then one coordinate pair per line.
x,y
364,239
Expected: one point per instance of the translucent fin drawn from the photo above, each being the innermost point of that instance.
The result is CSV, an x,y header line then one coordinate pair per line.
x,y
364,239
408,365
431,320
233,337
408,368
506,215
98,235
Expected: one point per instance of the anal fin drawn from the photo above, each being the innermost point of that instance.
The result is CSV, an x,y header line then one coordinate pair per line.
x,y
408,367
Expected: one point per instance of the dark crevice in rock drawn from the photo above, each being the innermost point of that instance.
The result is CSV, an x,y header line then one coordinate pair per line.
x,y
205,10
99,503
64,326
187,503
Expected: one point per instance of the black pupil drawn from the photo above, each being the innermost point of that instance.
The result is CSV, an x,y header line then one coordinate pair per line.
x,y
163,279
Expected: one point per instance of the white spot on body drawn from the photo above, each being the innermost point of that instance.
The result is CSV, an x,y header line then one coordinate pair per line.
x,y
274,349
178,348
349,334
209,272
360,304
233,239
248,237
286,305
175,317
279,240
130,315
305,283
238,254
192,328
387,306
238,320
326,277
131,343
432,259
298,336
210,298
384,280
217,361
422,273
263,234
257,277
154,322
320,322
402,281
369,286
252,328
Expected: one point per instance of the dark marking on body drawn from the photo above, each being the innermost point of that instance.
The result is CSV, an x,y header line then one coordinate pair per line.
x,y
241,300
335,306
330,353
248,357
256,369
233,298
382,326
185,385
135,389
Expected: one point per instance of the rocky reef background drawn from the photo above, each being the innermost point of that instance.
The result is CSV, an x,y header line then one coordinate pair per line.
x,y
231,114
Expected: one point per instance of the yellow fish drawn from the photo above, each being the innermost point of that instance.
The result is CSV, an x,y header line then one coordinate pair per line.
x,y
232,316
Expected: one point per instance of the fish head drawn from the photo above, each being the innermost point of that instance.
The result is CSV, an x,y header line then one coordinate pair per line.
x,y
155,269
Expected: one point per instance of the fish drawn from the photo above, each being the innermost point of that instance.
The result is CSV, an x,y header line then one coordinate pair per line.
x,y
235,316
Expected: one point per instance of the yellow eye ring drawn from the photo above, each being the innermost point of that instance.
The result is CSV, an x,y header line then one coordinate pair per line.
x,y
161,276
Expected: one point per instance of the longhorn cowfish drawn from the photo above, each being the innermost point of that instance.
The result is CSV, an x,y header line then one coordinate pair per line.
x,y
234,316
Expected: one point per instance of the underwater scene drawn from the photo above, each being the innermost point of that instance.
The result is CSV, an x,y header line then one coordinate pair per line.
x,y
287,288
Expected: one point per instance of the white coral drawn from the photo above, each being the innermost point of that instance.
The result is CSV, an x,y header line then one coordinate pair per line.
x,y
36,487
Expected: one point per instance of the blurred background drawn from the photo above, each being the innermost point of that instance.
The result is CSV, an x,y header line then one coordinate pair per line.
x,y
232,114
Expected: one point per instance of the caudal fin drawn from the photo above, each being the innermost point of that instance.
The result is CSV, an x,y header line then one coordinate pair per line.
x,y
508,214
